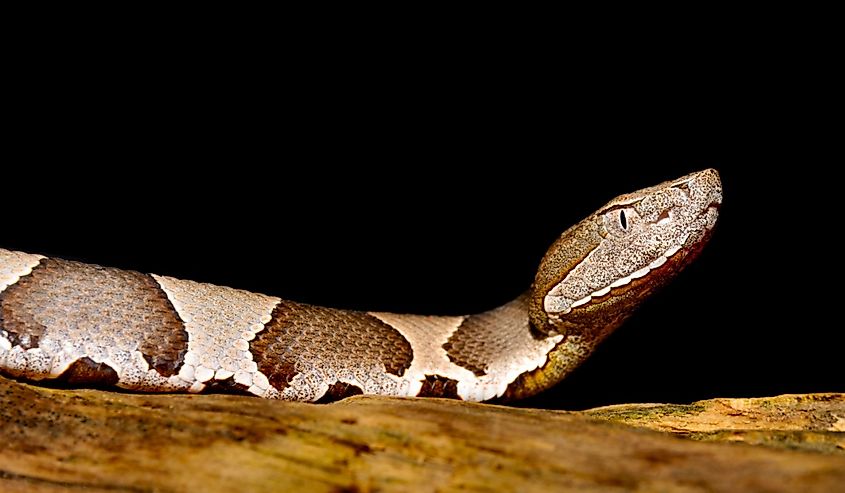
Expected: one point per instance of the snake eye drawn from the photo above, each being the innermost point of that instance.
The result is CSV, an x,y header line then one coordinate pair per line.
x,y
623,221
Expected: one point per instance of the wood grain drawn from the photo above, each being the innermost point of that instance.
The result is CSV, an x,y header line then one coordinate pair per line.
x,y
86,440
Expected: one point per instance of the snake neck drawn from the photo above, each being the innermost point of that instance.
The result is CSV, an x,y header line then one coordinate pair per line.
x,y
505,352
565,352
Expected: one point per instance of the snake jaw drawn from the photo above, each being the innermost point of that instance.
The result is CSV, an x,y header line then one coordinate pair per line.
x,y
634,244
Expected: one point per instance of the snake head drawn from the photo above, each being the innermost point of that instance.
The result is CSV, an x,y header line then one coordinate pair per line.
x,y
601,269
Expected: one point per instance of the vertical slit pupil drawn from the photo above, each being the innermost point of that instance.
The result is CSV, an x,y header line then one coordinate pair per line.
x,y
623,220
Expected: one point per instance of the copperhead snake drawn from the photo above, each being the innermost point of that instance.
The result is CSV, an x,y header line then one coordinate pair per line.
x,y
86,325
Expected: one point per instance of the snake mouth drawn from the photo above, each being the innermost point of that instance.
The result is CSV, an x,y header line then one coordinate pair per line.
x,y
640,274
692,242
656,274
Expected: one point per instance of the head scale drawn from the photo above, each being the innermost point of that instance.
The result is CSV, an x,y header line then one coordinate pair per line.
x,y
602,268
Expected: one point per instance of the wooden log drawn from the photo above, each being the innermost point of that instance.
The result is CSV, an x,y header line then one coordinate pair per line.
x,y
70,440
813,422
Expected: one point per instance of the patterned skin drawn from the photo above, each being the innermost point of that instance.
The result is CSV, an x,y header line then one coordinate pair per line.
x,y
88,325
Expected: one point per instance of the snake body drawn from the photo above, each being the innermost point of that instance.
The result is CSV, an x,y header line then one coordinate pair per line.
x,y
87,325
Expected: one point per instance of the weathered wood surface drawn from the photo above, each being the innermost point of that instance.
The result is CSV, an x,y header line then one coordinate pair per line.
x,y
812,422
59,440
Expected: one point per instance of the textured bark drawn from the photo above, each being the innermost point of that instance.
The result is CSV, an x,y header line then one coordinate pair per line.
x,y
62,440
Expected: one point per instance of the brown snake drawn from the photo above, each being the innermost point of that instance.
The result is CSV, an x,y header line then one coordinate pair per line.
x,y
85,325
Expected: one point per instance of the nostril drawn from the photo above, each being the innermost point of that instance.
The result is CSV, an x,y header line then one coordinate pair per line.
x,y
663,216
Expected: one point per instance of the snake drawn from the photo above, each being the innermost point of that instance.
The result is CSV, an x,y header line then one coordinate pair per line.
x,y
76,325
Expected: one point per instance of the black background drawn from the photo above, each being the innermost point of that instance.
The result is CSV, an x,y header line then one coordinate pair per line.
x,y
441,194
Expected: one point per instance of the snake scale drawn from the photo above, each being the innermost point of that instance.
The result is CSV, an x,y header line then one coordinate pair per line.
x,y
85,325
